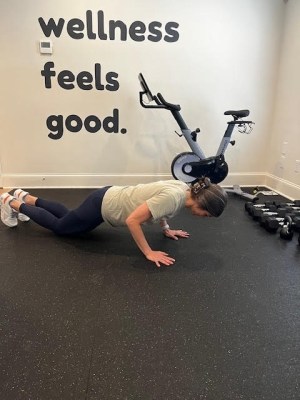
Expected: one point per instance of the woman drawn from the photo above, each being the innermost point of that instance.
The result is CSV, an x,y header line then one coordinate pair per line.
x,y
129,206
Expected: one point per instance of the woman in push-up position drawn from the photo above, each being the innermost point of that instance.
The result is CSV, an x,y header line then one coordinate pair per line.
x,y
129,206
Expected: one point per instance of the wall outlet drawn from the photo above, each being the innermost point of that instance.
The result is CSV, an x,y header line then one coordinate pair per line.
x,y
297,166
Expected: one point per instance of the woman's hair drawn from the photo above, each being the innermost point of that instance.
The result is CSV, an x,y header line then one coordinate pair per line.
x,y
210,196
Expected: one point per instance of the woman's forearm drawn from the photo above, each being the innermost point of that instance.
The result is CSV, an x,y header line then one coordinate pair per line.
x,y
134,222
138,236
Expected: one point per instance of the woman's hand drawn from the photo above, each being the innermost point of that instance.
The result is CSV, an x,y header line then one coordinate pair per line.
x,y
159,257
134,221
175,234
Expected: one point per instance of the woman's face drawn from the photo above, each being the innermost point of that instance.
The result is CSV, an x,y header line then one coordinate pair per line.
x,y
199,212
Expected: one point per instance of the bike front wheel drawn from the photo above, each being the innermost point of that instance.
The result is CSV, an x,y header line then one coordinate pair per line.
x,y
180,167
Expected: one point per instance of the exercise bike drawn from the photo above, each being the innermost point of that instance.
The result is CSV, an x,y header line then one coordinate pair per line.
x,y
190,166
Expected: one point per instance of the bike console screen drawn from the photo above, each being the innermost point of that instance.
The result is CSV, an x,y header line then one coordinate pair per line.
x,y
145,87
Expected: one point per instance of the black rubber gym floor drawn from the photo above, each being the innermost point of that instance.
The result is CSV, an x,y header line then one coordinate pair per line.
x,y
90,318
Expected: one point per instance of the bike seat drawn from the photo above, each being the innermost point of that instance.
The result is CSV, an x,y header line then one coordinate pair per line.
x,y
238,114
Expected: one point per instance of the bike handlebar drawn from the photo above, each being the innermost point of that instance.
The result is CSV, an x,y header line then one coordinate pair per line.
x,y
162,103
169,106
159,100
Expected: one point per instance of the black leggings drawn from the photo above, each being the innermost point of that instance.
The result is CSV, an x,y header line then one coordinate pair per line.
x,y
56,217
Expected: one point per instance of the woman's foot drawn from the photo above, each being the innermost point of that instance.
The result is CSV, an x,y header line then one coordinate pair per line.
x,y
20,194
25,197
8,214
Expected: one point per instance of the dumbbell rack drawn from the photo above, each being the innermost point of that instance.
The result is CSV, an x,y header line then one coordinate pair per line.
x,y
275,215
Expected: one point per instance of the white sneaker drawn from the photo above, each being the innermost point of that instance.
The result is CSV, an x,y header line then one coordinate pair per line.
x,y
23,217
8,215
20,194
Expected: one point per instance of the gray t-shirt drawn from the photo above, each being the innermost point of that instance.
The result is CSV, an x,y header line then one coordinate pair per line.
x,y
164,199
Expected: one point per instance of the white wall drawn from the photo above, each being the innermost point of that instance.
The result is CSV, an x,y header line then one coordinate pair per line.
x,y
284,146
227,57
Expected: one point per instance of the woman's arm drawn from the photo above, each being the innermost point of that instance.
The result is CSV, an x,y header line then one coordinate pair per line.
x,y
134,221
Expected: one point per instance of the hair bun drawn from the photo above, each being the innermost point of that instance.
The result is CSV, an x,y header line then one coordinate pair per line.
x,y
202,183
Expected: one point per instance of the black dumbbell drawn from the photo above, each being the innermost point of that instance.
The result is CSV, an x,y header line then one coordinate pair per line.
x,y
273,223
291,223
250,207
296,222
279,214
288,223
295,203
286,232
258,212
249,204
292,209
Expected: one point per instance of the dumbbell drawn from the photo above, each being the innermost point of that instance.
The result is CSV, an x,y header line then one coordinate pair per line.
x,y
299,239
279,214
291,223
259,211
286,232
288,223
292,209
295,203
271,224
296,221
250,206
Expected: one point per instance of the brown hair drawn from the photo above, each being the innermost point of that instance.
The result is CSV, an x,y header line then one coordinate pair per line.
x,y
210,196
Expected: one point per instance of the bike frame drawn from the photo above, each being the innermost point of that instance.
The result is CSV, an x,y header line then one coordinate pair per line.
x,y
184,163
190,136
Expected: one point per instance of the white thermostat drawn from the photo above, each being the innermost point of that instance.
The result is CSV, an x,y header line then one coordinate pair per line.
x,y
46,47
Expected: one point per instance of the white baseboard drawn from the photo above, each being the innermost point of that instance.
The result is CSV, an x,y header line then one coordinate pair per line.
x,y
282,186
244,179
96,180
75,181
